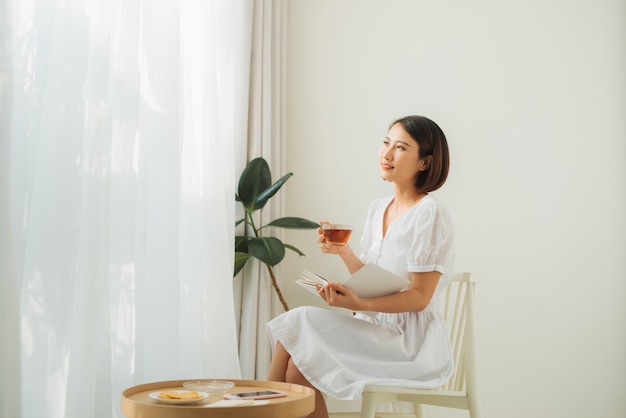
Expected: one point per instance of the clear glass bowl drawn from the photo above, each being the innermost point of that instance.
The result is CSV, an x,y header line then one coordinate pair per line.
x,y
212,387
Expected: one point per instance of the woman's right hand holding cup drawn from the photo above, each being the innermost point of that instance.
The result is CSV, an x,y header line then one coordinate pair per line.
x,y
333,238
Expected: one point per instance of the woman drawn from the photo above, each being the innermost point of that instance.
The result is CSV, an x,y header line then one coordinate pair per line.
x,y
410,234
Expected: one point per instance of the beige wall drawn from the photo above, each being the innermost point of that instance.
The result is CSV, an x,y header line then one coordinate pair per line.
x,y
532,97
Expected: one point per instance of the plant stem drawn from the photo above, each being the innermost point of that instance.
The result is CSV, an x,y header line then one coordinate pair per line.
x,y
250,222
276,288
270,270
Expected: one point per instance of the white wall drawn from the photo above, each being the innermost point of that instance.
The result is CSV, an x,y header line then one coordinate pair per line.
x,y
532,97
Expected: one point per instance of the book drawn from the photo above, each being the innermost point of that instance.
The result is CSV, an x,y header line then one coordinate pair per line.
x,y
369,281
308,281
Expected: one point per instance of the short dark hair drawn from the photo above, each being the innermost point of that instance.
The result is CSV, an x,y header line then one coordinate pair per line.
x,y
431,141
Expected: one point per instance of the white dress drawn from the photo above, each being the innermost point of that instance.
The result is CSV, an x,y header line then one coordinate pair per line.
x,y
339,354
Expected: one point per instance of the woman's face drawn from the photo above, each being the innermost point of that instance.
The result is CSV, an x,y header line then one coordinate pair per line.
x,y
399,157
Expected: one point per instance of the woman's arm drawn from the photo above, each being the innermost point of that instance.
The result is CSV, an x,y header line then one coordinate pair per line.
x,y
415,298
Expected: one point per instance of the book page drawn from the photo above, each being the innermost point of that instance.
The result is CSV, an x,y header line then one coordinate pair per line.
x,y
308,281
368,282
372,281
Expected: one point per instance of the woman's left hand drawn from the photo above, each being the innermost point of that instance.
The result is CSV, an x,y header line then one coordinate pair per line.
x,y
334,294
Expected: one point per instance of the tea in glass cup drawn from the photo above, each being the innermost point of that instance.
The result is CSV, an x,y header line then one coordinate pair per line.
x,y
337,234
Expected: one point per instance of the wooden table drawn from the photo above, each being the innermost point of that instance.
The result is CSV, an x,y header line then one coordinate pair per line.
x,y
299,402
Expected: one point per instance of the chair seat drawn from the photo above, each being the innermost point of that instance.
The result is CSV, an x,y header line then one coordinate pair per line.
x,y
411,391
448,398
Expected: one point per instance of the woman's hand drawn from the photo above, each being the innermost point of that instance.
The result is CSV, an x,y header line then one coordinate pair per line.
x,y
334,294
352,262
325,247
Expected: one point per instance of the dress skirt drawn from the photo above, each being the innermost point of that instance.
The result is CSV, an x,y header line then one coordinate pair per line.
x,y
339,354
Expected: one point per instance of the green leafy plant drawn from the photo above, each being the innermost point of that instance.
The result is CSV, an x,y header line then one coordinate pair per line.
x,y
254,191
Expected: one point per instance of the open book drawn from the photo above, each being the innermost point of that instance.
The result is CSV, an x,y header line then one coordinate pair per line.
x,y
369,281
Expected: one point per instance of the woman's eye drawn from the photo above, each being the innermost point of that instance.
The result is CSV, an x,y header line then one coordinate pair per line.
x,y
400,147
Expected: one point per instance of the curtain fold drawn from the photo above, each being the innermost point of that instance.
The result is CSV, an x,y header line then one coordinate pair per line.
x,y
9,297
124,120
254,293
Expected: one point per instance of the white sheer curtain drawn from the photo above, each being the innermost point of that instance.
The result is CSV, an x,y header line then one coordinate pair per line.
x,y
117,196
9,306
254,293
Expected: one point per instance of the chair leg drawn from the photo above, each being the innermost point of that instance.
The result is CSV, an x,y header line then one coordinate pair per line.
x,y
418,410
474,408
371,401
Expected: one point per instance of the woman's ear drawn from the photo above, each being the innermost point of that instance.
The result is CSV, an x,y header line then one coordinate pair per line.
x,y
426,162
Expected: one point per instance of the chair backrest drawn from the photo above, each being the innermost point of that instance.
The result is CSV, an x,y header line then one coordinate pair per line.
x,y
458,311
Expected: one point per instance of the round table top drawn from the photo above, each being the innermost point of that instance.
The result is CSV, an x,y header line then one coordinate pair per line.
x,y
299,402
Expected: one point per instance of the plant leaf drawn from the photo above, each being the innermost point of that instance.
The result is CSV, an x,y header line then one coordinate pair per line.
x,y
269,250
291,222
265,195
294,249
241,244
255,178
240,261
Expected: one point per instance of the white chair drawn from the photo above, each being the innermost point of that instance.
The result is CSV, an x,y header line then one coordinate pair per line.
x,y
461,391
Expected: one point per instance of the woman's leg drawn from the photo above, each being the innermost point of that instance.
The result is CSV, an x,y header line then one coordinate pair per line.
x,y
282,369
278,366
293,375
